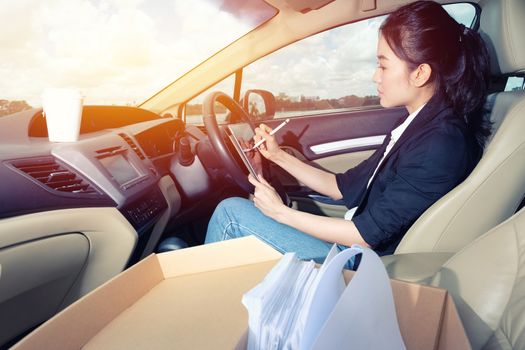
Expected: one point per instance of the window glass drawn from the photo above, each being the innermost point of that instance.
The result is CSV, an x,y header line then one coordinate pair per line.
x,y
194,106
514,84
464,13
328,72
114,51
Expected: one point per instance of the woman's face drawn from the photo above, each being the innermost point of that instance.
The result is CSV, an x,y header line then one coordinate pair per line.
x,y
392,77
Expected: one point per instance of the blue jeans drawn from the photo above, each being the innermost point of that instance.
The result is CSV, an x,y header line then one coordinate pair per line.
x,y
238,217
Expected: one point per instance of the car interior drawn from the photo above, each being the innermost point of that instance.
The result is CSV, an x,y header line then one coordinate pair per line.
x,y
146,179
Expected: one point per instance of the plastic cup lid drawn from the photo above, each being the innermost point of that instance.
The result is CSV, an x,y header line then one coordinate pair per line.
x,y
62,92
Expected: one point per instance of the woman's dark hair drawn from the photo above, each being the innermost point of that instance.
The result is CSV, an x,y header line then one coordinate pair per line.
x,y
423,32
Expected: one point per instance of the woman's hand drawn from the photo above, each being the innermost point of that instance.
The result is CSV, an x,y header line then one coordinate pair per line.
x,y
266,198
270,149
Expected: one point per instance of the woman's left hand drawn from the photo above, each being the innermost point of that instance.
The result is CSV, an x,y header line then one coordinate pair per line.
x,y
266,198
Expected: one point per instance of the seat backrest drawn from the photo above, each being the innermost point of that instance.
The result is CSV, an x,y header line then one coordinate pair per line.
x,y
487,281
495,188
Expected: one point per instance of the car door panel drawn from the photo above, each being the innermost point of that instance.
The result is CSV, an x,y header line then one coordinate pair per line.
x,y
359,129
334,142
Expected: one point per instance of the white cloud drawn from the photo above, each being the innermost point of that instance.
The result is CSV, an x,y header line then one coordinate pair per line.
x,y
123,51
115,51
330,65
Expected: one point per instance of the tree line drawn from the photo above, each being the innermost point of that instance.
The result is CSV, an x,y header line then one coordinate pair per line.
x,y
9,107
285,103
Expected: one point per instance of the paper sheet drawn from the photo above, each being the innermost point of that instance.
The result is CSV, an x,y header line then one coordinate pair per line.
x,y
300,307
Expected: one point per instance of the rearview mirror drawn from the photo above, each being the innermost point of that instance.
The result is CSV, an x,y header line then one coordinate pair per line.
x,y
260,104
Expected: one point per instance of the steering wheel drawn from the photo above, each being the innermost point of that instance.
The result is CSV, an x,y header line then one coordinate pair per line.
x,y
217,139
217,136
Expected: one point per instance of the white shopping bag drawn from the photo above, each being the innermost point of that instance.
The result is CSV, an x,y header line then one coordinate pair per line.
x,y
298,307
363,316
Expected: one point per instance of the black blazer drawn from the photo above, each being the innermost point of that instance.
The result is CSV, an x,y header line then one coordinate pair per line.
x,y
434,154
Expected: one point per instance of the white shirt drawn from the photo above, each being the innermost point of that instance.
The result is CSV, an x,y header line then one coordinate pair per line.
x,y
395,135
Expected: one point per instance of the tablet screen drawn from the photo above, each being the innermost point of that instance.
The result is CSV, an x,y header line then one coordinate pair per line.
x,y
242,154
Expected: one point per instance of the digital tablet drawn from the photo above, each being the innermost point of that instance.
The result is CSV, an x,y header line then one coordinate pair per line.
x,y
241,153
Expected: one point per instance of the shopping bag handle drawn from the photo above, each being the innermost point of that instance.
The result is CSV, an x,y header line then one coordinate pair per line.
x,y
343,317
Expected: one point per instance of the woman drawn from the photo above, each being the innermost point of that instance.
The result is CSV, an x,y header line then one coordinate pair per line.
x,y
439,71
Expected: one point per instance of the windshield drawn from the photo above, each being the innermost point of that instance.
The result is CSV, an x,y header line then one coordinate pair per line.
x,y
116,52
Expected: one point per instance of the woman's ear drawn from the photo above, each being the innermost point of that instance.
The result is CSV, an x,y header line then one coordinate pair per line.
x,y
421,75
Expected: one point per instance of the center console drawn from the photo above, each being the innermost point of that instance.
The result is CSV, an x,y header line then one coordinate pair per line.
x,y
116,165
144,210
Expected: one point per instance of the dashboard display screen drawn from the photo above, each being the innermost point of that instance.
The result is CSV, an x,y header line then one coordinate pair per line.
x,y
119,167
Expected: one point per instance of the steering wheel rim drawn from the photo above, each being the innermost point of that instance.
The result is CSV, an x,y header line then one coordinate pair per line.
x,y
216,135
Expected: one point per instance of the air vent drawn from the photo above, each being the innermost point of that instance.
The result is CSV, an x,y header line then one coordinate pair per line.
x,y
110,151
133,145
53,175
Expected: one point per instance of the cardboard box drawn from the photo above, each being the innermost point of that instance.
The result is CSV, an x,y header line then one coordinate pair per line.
x,y
191,299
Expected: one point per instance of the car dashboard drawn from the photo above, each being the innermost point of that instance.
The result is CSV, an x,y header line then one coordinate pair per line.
x,y
117,162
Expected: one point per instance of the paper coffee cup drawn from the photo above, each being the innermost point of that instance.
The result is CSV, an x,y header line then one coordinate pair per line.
x,y
63,112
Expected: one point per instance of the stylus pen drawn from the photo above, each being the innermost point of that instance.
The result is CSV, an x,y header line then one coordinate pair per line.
x,y
261,141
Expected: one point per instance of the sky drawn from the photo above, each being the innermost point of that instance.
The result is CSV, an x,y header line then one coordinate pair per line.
x,y
124,51
332,64
114,51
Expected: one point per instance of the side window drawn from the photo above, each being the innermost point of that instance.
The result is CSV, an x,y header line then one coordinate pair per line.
x,y
193,109
464,13
328,72
515,84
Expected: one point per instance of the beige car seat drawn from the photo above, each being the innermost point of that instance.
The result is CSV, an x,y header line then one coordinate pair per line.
x,y
487,281
495,188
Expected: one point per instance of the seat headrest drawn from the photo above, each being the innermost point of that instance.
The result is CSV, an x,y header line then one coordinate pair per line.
x,y
502,27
